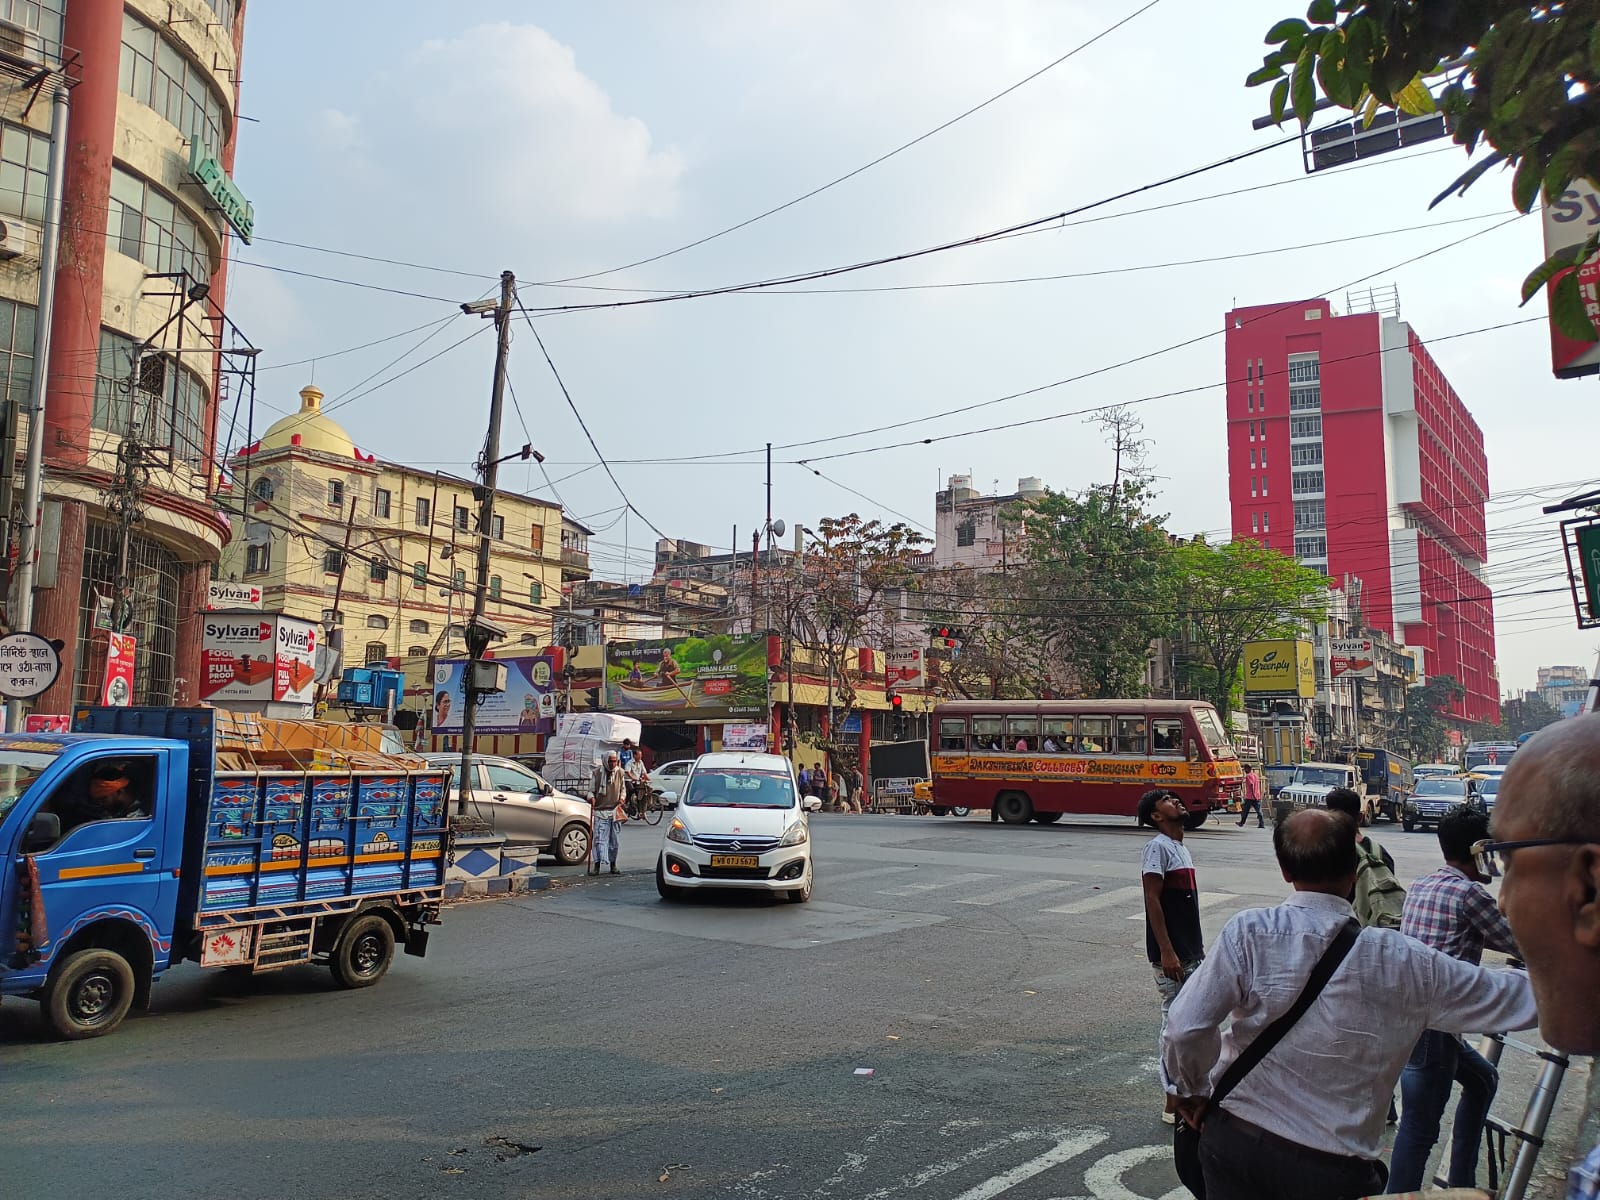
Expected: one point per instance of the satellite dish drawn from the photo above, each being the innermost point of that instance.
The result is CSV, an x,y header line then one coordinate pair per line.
x,y
778,527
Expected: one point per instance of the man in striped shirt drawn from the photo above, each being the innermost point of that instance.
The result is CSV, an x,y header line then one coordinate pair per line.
x,y
1454,913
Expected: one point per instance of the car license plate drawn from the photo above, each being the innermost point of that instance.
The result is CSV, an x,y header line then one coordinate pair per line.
x,y
735,860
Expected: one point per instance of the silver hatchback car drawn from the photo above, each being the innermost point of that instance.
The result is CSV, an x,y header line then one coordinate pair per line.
x,y
522,806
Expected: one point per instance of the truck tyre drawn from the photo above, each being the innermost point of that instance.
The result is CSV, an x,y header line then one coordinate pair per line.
x,y
1014,808
572,844
89,994
363,952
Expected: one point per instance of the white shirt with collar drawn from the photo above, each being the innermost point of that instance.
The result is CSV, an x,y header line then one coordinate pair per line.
x,y
1327,1084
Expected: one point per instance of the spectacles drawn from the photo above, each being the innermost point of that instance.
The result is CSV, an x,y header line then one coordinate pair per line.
x,y
1486,854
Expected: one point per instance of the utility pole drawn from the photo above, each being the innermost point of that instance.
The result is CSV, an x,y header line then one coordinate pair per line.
x,y
489,471
33,477
338,587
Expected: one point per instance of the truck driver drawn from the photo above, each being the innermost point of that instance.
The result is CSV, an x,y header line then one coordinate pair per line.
x,y
107,796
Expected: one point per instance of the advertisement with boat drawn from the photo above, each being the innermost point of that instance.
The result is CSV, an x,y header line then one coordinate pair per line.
x,y
720,678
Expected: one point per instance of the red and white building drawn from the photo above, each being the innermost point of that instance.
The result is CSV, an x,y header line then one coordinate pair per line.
x,y
1348,448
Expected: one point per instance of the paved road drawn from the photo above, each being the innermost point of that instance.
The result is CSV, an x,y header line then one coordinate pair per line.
x,y
990,978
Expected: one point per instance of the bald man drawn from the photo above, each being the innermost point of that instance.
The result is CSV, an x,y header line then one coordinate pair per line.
x,y
1547,845
1270,1136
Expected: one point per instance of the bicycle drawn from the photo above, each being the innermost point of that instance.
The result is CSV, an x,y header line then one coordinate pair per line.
x,y
643,803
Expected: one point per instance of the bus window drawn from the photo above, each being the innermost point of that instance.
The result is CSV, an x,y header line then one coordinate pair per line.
x,y
1211,730
1094,734
1130,735
1166,736
1057,735
986,733
953,735
1022,734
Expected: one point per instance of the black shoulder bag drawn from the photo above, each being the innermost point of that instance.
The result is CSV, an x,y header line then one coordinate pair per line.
x,y
1185,1139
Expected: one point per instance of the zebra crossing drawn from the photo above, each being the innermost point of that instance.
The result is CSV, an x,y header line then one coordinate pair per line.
x,y
986,889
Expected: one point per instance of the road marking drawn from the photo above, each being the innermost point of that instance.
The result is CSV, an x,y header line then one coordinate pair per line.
x,y
864,873
1104,1178
1207,900
938,1170
1067,1149
1018,891
917,889
1116,896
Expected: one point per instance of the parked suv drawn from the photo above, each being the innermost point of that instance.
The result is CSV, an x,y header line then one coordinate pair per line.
x,y
739,824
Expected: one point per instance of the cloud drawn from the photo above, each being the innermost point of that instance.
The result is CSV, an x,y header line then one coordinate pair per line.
x,y
504,111
335,131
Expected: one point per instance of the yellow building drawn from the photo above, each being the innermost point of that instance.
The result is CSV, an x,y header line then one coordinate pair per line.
x,y
324,529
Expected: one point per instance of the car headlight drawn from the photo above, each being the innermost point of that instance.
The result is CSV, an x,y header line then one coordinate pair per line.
x,y
679,832
796,835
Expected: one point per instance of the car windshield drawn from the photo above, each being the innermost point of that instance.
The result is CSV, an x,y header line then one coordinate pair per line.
x,y
1441,787
718,787
1321,776
1489,784
18,770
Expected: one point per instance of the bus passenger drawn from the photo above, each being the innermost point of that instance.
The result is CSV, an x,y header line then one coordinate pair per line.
x,y
1050,746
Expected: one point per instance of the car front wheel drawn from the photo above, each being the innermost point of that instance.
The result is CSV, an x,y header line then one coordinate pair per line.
x,y
663,888
801,894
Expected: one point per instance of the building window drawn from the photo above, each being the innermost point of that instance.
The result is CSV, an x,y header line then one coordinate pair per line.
x,y
1253,491
380,503
1255,523
1263,456
459,579
377,621
335,493
536,538
418,627
146,224
16,353
1250,397
463,518
263,489
1304,368
43,17
424,512
332,562
258,557
1311,547
377,652
494,587
497,527
416,652
1249,372
419,575
1305,427
24,157
1264,485
1310,514
378,571
1305,399
156,74
171,399
1252,458
536,593
1266,519
1302,482
1305,456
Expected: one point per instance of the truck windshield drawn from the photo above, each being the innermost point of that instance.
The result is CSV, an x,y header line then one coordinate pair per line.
x,y
18,770
1321,776
1211,730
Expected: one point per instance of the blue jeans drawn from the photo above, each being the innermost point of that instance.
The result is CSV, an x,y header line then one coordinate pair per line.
x,y
1439,1060
606,838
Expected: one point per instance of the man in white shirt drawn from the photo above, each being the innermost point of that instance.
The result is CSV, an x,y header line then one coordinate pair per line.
x,y
1306,1123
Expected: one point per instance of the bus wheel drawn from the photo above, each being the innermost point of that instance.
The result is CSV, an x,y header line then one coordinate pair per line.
x,y
1014,808
1194,820
1046,818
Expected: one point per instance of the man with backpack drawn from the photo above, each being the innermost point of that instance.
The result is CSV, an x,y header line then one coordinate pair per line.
x,y
1454,913
1378,898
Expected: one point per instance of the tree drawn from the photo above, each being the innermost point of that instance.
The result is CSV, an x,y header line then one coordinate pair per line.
x,y
1529,714
1520,77
1237,593
1425,727
996,658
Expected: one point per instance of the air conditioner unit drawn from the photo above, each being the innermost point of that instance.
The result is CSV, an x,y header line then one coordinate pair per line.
x,y
16,42
15,237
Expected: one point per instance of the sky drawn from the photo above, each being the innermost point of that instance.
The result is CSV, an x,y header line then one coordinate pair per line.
x,y
564,141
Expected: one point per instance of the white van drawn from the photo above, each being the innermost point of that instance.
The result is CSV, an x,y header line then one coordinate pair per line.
x,y
739,824
582,740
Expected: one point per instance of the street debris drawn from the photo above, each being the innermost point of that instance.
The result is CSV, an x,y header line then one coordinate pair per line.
x,y
666,1171
505,1148
863,1070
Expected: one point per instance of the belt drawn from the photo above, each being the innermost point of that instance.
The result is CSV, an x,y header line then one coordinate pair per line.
x,y
1257,1134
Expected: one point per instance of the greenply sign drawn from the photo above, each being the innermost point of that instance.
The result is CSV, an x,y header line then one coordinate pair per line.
x,y
207,171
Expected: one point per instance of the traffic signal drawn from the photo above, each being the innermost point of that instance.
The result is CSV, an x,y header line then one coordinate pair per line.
x,y
896,701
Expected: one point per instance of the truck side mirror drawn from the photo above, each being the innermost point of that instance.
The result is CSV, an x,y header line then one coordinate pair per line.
x,y
44,830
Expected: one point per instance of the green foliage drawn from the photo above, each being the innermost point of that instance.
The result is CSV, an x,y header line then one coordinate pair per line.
x,y
998,659
1526,85
1424,724
1528,715
1238,593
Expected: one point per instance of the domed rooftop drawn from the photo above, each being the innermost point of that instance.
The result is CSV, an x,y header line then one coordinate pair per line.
x,y
309,429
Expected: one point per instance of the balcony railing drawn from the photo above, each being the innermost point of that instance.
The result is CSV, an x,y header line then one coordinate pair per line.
x,y
574,558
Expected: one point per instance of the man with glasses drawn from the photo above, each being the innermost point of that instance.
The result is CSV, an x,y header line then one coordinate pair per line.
x,y
1453,912
1547,831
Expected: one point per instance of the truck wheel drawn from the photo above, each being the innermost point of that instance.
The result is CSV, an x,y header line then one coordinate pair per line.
x,y
572,844
1013,808
363,952
89,994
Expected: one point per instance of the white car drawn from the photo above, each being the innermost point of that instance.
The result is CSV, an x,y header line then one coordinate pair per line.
x,y
739,824
668,779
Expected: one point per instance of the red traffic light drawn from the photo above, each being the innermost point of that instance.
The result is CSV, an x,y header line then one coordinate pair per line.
x,y
895,701
949,642
944,633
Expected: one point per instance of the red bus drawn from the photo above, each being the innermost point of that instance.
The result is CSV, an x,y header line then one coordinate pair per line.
x,y
1038,759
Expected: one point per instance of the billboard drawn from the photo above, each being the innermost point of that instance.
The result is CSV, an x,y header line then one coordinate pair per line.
x,y
1569,222
528,705
744,737
223,595
255,658
1283,667
905,668
1352,658
719,678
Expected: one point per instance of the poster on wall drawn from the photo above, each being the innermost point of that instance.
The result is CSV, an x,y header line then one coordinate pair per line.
x,y
744,737
250,658
117,690
528,705
905,668
721,678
